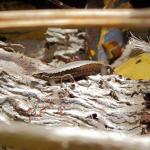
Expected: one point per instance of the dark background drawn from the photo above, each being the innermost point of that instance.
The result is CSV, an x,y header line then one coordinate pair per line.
x,y
140,3
41,4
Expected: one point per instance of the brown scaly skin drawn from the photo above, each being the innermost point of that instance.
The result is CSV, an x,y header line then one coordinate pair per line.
x,y
83,69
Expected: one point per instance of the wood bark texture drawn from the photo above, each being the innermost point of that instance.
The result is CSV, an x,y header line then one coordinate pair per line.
x,y
101,102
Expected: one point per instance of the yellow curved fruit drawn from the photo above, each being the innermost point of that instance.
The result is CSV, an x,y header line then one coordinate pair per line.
x,y
136,67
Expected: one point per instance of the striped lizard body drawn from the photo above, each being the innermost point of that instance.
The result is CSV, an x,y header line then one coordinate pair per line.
x,y
76,69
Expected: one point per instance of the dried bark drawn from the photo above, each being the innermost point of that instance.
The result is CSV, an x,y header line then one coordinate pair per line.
x,y
64,44
102,102
110,103
134,47
19,64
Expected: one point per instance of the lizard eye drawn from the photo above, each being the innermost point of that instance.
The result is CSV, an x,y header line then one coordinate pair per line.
x,y
52,43
82,51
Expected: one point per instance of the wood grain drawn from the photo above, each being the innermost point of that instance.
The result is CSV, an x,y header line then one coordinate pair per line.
x,y
126,18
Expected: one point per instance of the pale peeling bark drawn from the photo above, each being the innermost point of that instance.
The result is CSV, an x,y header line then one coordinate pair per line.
x,y
19,64
105,102
134,47
108,103
65,44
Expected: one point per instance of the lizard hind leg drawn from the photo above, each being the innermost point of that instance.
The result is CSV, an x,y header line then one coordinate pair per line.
x,y
51,82
67,77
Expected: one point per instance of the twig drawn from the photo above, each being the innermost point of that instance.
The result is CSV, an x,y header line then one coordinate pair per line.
x,y
73,18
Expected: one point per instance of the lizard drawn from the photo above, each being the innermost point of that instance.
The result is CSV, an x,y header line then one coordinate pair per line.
x,y
76,69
